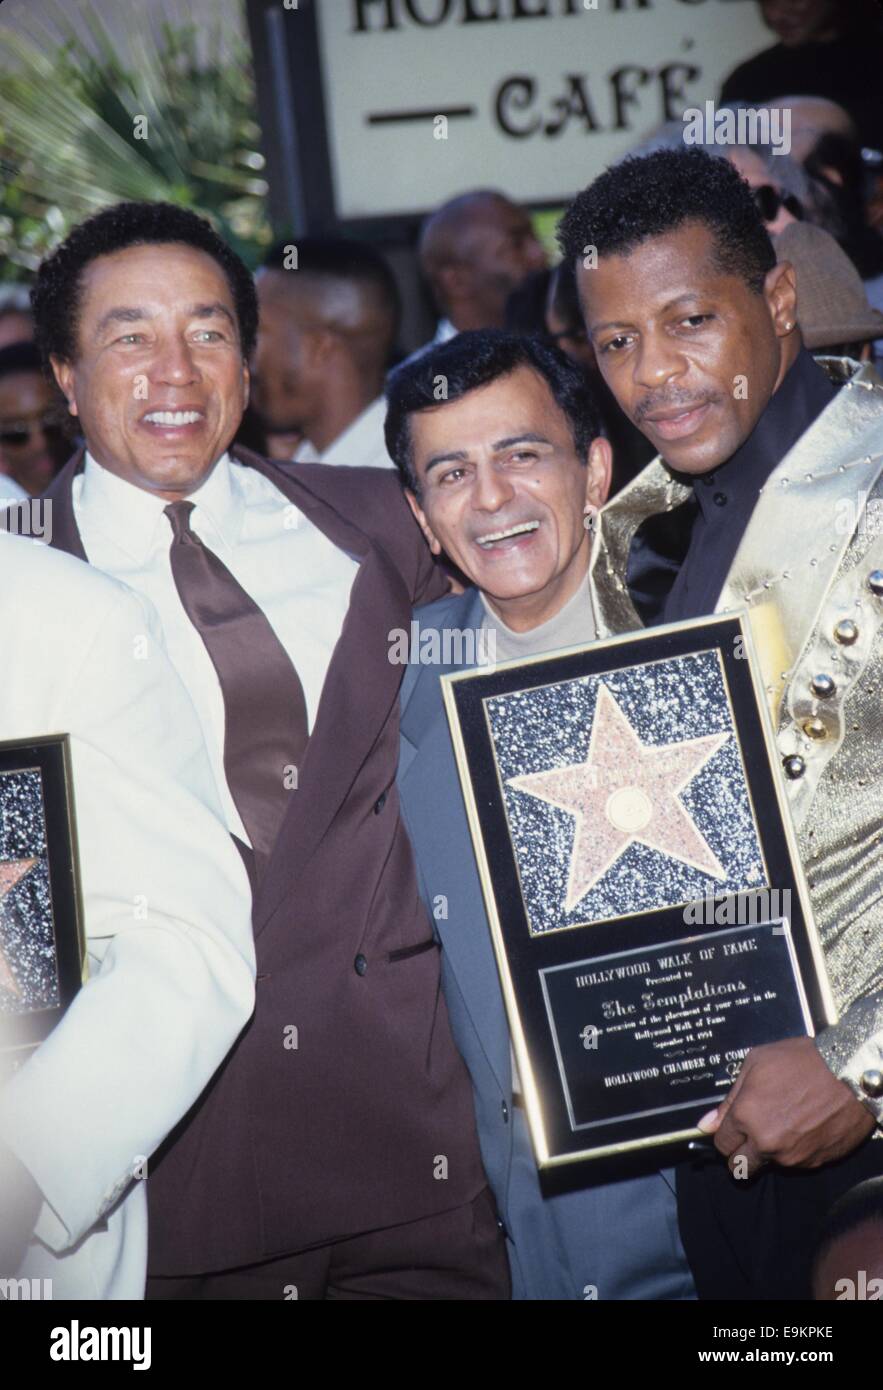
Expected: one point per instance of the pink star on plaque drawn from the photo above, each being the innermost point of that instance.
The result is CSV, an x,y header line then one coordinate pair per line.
x,y
625,791
11,873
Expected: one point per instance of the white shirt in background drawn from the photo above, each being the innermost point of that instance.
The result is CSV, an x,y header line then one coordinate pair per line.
x,y
360,446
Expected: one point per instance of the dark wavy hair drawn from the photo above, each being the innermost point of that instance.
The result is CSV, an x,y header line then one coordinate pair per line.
x,y
475,359
650,195
56,294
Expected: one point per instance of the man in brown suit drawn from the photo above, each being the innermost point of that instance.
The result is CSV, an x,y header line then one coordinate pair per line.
x,y
334,1153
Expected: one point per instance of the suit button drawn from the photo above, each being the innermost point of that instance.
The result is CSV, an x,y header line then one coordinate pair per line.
x,y
505,1110
846,632
814,728
823,686
719,499
360,964
872,1082
379,803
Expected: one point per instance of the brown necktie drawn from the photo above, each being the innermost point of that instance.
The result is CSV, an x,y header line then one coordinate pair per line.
x,y
265,713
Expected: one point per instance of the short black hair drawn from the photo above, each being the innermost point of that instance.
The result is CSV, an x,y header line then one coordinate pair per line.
x,y
473,359
861,1205
339,258
650,195
55,297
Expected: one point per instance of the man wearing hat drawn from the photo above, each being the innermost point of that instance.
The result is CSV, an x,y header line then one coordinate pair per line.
x,y
832,310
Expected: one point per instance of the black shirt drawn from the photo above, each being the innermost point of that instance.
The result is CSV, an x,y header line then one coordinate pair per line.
x,y
724,499
846,70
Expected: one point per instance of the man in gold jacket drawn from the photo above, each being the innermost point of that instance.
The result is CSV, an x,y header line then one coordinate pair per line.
x,y
766,494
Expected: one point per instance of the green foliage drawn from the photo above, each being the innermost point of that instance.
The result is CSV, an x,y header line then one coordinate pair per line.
x,y
71,113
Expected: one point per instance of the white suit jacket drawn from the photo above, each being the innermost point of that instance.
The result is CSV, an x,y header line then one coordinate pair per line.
x,y
167,915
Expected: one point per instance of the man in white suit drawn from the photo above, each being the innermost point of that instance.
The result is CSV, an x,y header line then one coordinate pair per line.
x,y
167,922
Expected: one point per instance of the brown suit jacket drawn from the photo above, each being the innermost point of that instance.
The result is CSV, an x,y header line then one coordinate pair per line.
x,y
291,1147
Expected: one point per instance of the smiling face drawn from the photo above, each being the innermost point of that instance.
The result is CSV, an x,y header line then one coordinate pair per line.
x,y
158,383
691,353
503,493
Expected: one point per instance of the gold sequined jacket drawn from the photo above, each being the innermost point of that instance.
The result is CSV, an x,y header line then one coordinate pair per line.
x,y
809,569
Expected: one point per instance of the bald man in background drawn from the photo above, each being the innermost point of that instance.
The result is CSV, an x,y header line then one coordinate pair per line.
x,y
329,315
474,251
811,118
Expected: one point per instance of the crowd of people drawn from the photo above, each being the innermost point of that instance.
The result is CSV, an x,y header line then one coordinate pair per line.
x,y
293,1069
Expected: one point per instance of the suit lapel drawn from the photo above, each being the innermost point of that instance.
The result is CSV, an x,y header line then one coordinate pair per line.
x,y
444,839
782,572
64,533
420,702
360,689
654,490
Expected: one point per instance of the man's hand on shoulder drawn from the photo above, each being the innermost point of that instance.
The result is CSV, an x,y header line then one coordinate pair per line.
x,y
787,1107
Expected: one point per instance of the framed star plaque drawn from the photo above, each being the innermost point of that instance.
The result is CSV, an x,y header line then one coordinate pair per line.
x,y
649,914
41,937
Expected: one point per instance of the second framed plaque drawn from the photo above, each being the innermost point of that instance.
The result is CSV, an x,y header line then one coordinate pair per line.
x,y
649,913
42,949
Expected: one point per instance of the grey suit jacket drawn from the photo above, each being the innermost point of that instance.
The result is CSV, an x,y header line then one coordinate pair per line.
x,y
617,1240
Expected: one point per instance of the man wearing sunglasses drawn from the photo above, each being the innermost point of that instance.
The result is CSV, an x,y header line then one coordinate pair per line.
x,y
768,176
32,443
775,206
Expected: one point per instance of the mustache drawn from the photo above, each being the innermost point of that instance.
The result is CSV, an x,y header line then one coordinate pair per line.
x,y
669,400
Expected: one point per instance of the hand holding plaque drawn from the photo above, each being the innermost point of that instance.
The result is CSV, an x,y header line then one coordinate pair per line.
x,y
649,914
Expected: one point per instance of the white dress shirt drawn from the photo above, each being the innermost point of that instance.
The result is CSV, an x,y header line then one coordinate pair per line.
x,y
291,570
361,445
445,330
167,917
